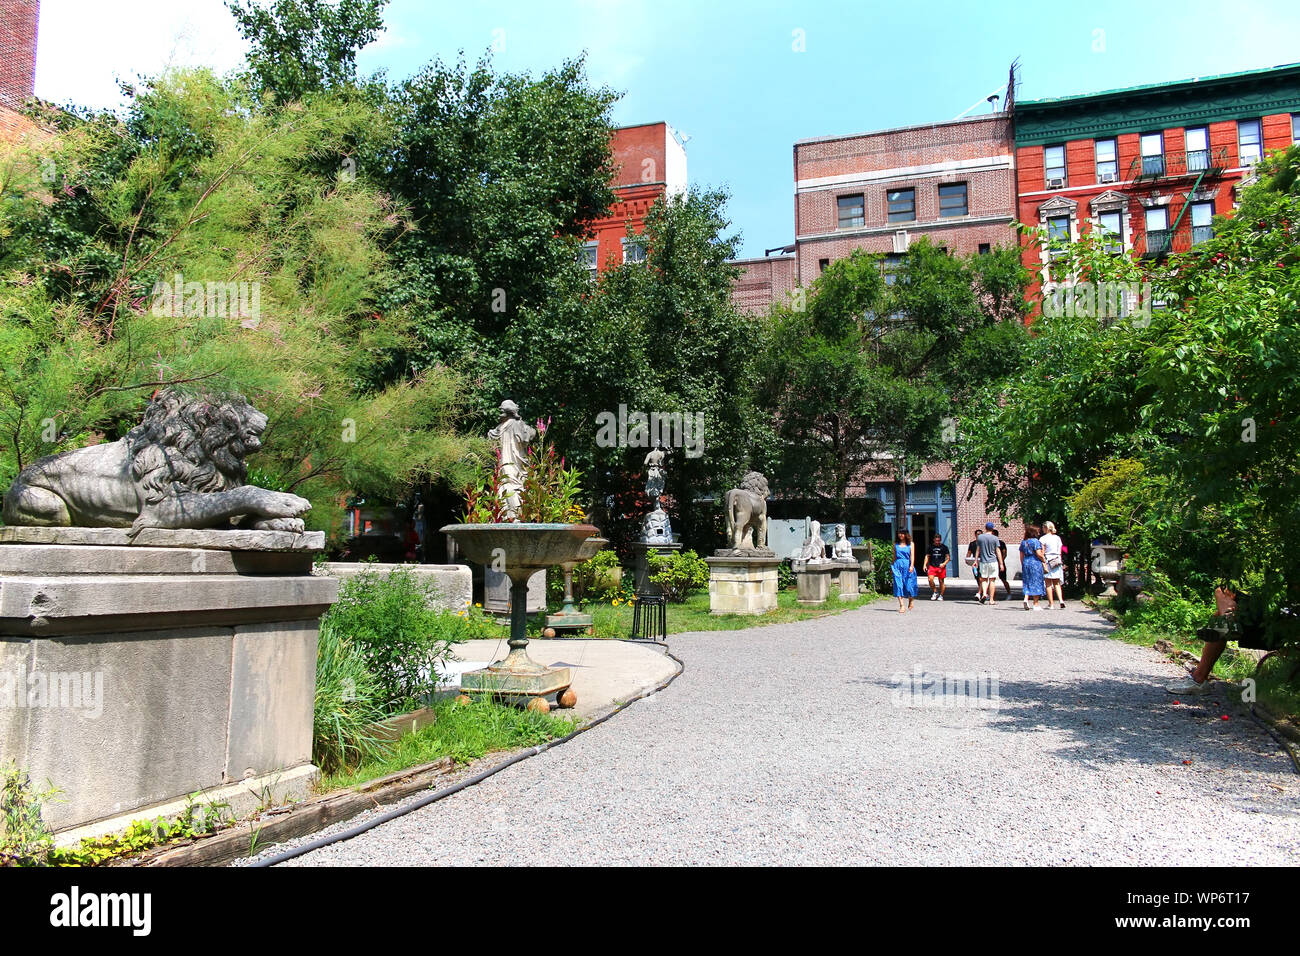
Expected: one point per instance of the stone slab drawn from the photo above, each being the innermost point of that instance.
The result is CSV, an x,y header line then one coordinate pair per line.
x,y
496,592
452,584
44,605
212,539
47,559
266,717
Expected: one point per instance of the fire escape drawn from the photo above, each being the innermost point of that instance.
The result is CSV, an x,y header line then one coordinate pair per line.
x,y
1172,172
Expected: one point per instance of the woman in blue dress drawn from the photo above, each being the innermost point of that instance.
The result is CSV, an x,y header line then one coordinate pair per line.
x,y
1031,567
904,569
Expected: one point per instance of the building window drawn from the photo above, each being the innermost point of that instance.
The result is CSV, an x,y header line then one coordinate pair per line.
x,y
902,204
890,266
590,257
1112,230
822,264
1295,127
985,249
1202,217
1198,149
1157,226
1054,166
1058,229
1248,142
1153,154
1107,161
852,211
633,251
952,200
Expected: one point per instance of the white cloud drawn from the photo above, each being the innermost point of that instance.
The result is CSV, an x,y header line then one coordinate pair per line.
x,y
83,45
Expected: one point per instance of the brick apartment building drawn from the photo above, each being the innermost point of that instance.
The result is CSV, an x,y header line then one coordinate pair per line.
x,y
18,21
651,163
953,182
1150,165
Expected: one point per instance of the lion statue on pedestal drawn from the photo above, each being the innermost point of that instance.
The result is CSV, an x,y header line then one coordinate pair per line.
x,y
746,513
181,467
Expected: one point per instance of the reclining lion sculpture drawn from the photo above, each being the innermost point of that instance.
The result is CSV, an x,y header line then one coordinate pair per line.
x,y
181,467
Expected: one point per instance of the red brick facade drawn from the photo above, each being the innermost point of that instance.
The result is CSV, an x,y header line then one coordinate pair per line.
x,y
976,153
18,19
1203,136
763,283
650,163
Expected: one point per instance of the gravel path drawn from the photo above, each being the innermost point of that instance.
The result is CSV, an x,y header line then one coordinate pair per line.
x,y
791,744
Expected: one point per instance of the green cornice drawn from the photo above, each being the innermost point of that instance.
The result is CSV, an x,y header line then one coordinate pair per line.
x,y
1164,106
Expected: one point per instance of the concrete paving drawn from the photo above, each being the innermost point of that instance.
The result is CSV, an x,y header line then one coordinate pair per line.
x,y
605,673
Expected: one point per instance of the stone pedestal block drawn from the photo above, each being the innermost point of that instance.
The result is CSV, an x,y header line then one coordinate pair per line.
x,y
741,585
134,673
866,567
451,585
642,551
814,581
847,577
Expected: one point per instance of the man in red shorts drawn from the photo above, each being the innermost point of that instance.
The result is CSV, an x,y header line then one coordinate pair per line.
x,y
936,568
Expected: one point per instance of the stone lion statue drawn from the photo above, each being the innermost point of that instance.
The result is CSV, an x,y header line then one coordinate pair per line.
x,y
746,513
181,467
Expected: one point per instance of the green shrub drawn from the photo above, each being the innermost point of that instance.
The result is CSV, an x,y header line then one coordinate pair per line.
x,y
883,555
24,838
679,574
785,576
348,701
388,618
1168,614
594,578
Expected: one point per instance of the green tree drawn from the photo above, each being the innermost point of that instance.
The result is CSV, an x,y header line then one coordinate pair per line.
x,y
199,186
297,47
872,375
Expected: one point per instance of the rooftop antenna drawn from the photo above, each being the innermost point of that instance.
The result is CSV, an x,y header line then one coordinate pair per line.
x,y
993,102
987,99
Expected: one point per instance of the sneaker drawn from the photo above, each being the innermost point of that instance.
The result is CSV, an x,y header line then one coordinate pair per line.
x,y
1062,605
1025,602
1186,685
934,597
940,597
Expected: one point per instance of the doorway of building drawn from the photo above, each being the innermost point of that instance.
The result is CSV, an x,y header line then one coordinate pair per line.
x,y
923,525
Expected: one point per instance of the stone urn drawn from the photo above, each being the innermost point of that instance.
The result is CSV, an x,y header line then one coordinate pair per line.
x,y
1106,559
520,549
569,617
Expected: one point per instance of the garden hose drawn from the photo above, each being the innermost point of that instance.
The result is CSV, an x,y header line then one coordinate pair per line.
x,y
477,778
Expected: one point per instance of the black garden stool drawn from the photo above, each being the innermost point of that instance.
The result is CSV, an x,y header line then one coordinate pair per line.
x,y
650,618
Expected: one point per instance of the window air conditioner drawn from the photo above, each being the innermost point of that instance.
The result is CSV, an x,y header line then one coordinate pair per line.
x,y
1056,184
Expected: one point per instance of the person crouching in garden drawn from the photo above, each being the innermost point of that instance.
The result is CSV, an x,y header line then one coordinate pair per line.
x,y
904,570
1031,567
936,568
1236,618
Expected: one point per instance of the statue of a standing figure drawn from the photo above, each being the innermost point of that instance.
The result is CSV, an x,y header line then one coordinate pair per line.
x,y
513,436
814,549
656,468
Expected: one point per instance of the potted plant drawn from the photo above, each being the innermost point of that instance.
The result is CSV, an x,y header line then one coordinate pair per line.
x,y
548,528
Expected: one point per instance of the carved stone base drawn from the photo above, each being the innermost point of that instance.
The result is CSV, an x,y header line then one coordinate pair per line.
x,y
742,585
847,577
814,581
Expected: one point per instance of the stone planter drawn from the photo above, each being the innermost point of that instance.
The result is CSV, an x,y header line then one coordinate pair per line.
x,y
1106,560
643,551
520,550
451,584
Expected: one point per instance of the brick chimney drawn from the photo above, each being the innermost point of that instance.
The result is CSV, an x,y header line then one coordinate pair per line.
x,y
17,51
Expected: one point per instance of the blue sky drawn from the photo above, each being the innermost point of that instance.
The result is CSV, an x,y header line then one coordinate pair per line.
x,y
727,74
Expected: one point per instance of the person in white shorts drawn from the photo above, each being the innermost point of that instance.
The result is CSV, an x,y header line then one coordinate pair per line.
x,y
1053,563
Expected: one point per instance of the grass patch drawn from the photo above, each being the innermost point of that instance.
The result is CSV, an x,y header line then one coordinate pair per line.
x,y
463,733
693,615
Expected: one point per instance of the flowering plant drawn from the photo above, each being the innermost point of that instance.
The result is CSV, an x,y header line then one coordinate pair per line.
x,y
549,494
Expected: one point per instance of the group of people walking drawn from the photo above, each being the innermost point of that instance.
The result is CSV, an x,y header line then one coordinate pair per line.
x,y
1042,567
